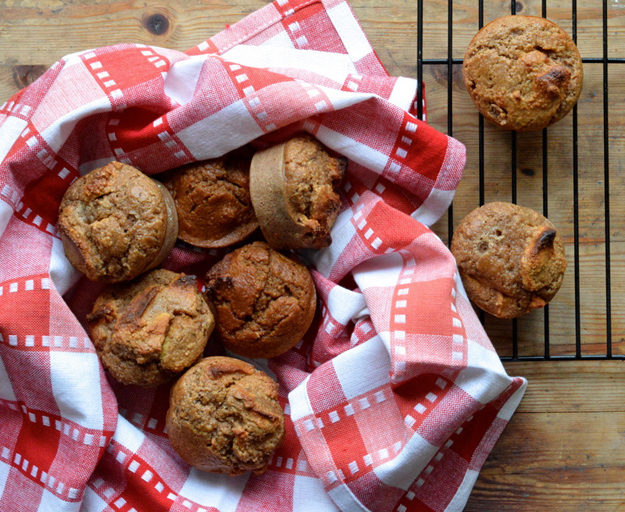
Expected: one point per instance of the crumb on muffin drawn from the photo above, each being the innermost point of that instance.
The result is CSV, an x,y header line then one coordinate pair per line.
x,y
264,301
510,258
524,73
224,417
294,191
150,330
213,200
115,223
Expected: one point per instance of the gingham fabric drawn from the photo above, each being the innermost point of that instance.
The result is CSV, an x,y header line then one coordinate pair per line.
x,y
394,398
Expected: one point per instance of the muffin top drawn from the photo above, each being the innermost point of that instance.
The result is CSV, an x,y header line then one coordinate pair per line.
x,y
264,301
511,258
213,200
224,417
149,330
293,187
524,73
115,223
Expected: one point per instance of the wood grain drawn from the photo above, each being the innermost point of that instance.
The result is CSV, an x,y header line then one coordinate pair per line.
x,y
564,449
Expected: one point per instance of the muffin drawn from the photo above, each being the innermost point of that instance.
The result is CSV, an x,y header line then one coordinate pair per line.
x,y
293,187
115,223
524,73
224,417
510,258
213,200
264,301
150,330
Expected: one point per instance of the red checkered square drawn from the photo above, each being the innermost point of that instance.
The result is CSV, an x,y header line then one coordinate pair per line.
x,y
320,399
271,491
15,263
310,23
137,129
349,460
448,468
125,66
376,495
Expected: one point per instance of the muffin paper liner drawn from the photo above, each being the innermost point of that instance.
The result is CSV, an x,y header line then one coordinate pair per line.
x,y
394,398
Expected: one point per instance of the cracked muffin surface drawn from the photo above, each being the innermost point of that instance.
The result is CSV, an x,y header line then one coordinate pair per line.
x,y
116,222
510,258
213,200
264,301
312,177
224,417
294,189
148,331
524,73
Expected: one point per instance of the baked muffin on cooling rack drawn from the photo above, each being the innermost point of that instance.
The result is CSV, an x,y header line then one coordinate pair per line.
x,y
510,258
524,73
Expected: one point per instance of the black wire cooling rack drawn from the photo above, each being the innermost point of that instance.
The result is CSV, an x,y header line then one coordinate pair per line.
x,y
511,336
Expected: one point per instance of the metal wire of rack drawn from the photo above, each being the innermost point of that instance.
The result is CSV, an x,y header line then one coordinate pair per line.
x,y
605,61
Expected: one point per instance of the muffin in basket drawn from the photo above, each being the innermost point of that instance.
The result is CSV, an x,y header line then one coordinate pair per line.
x,y
115,223
148,331
264,301
213,200
524,73
510,258
293,189
224,417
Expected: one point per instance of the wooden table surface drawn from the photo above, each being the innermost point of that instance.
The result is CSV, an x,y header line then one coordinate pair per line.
x,y
564,449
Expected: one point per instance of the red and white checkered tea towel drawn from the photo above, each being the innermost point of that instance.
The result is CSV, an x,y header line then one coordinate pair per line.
x,y
395,397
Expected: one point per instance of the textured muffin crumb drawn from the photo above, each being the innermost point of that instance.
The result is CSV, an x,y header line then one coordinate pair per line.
x,y
213,200
524,73
312,177
113,223
150,330
224,417
264,301
510,258
293,186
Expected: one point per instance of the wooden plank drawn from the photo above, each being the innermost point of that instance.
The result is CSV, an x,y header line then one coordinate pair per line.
x,y
564,449
47,30
572,386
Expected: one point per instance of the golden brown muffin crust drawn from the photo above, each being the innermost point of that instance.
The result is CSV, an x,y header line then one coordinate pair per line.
x,y
293,188
524,73
224,417
312,177
115,224
264,301
511,258
150,330
213,200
